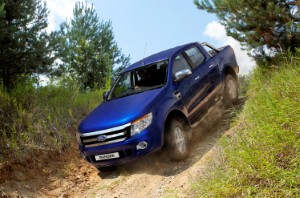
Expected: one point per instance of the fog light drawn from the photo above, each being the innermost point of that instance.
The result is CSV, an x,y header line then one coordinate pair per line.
x,y
142,145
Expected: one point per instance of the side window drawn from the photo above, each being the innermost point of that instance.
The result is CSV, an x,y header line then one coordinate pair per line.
x,y
123,84
195,56
179,64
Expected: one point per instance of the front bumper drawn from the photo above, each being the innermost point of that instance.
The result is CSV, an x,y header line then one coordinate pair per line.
x,y
127,149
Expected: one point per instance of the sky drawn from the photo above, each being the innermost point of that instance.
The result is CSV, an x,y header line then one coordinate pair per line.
x,y
142,28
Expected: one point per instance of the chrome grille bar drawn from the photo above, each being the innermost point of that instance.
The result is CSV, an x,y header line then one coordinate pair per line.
x,y
101,132
104,143
107,137
112,135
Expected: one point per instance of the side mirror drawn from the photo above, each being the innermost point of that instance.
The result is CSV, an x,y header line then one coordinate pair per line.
x,y
105,94
182,74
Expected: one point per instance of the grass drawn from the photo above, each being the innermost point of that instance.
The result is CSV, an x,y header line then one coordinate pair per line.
x,y
170,193
37,120
262,158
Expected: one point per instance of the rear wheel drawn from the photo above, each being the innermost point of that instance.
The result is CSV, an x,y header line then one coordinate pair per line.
x,y
177,140
230,90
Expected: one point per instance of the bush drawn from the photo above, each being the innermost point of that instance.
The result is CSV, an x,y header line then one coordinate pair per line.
x,y
41,119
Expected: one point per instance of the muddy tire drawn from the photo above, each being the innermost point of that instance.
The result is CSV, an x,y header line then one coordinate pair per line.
x,y
177,140
230,90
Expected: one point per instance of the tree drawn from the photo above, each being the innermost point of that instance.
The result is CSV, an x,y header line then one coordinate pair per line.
x,y
89,51
2,11
263,27
25,46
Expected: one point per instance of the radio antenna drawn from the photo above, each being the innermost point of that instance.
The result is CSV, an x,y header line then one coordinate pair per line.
x,y
144,53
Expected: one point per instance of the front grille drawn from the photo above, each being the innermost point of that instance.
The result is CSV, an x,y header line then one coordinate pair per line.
x,y
103,137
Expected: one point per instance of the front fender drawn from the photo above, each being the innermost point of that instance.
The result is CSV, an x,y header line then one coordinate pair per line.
x,y
161,112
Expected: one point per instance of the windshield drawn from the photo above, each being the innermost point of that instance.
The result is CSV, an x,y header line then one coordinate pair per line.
x,y
139,80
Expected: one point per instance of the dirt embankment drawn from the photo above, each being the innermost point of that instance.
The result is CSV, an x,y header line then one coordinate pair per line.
x,y
152,176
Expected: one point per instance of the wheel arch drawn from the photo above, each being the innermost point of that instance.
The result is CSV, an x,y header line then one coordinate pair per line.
x,y
230,71
174,114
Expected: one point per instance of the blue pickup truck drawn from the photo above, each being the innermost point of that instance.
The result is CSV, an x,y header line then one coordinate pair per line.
x,y
155,102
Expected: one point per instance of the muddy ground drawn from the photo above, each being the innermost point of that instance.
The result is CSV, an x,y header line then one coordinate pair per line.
x,y
68,175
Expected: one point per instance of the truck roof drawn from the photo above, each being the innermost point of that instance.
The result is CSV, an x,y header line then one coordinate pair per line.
x,y
163,55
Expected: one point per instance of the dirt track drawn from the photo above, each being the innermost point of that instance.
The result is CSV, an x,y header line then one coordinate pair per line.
x,y
152,176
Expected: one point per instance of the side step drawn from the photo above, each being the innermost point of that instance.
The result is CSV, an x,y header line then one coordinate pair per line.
x,y
217,102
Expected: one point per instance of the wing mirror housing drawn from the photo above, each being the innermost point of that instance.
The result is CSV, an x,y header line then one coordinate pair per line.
x,y
182,74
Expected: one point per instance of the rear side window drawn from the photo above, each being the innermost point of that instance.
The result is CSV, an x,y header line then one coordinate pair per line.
x,y
195,56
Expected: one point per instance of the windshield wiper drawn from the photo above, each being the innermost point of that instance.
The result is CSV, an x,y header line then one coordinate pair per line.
x,y
128,94
138,90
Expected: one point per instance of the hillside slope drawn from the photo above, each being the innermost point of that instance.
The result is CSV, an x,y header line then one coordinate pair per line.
x,y
261,156
68,175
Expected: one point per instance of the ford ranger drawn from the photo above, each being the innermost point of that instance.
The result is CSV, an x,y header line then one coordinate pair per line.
x,y
155,101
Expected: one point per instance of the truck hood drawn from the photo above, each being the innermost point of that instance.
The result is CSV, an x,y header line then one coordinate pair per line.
x,y
120,111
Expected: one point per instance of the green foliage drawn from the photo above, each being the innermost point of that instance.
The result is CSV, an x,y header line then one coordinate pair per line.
x,y
89,51
262,158
243,84
2,13
41,119
25,46
267,27
34,118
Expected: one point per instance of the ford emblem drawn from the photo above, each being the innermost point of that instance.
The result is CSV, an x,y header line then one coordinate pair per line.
x,y
101,138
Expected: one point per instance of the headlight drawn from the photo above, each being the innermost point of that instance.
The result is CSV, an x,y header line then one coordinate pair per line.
x,y
140,124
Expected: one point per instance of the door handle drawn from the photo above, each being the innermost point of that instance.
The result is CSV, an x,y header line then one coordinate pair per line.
x,y
211,66
197,78
177,94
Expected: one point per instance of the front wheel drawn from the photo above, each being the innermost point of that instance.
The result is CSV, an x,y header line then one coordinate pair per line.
x,y
230,90
177,140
